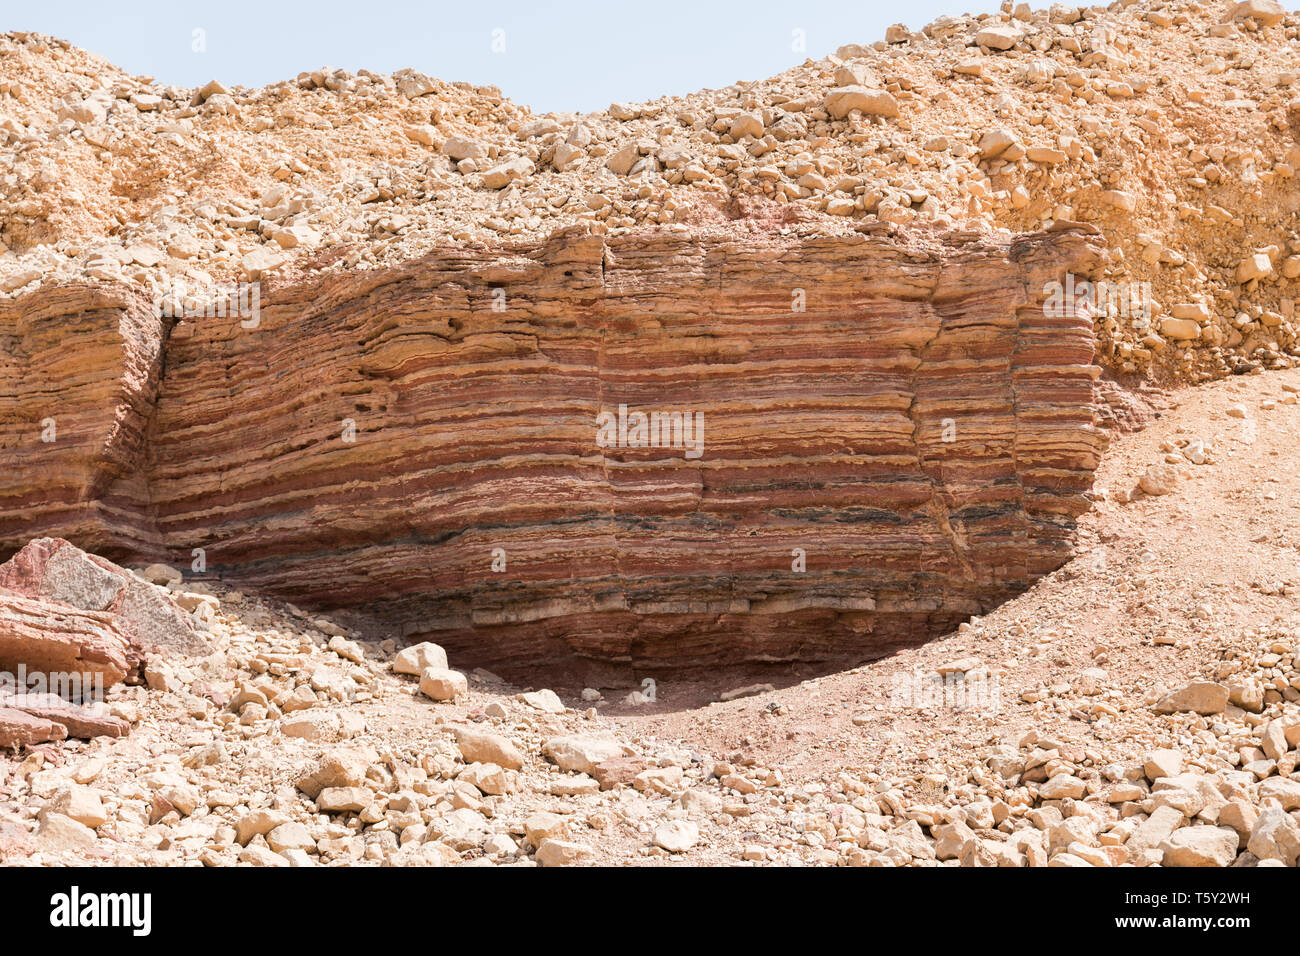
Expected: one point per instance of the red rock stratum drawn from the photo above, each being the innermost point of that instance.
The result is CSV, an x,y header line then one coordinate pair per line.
x,y
896,434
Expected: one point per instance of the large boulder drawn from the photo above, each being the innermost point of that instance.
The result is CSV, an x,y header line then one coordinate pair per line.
x,y
51,569
48,638
1201,697
841,102
72,625
1200,846
581,754
1268,13
1275,836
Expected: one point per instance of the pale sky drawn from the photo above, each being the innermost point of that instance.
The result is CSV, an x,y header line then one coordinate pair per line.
x,y
579,55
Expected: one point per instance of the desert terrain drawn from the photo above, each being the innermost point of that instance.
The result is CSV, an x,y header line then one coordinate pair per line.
x,y
296,420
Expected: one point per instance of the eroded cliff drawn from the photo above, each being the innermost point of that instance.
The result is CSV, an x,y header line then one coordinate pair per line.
x,y
889,434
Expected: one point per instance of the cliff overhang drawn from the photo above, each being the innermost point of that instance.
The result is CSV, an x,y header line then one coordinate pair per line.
x,y
893,434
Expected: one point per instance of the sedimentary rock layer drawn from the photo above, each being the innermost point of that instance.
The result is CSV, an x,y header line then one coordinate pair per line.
x,y
78,372
896,435
48,638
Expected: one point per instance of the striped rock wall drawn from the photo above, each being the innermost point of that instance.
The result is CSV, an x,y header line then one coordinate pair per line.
x,y
895,436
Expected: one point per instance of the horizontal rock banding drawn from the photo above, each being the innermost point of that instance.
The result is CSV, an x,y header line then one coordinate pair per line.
x,y
77,386
49,638
921,430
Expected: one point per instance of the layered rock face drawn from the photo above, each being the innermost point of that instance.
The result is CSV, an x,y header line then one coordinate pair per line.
x,y
886,436
78,378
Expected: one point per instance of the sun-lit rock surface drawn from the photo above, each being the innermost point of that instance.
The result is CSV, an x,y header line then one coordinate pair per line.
x,y
895,435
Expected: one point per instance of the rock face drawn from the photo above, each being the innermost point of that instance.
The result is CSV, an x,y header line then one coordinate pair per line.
x,y
888,435
79,389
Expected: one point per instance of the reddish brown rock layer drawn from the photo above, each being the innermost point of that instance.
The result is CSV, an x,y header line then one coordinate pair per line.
x,y
921,431
19,729
51,638
77,386
67,581
76,721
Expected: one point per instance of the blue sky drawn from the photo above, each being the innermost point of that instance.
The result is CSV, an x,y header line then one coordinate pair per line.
x,y
579,55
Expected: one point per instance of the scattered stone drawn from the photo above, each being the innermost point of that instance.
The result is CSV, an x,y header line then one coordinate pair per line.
x,y
999,37
581,754
81,804
1063,786
1162,763
1282,789
1200,846
1268,13
619,771
561,853
1201,697
676,836
290,836
418,658
1143,844
841,102
1159,480
258,823
480,747
61,834
344,799
439,683
547,701
1276,836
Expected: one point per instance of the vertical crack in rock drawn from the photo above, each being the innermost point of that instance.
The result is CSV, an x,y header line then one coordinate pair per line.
x,y
938,505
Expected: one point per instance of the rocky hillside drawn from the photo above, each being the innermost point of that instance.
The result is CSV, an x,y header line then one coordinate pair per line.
x,y
1173,126
365,581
